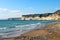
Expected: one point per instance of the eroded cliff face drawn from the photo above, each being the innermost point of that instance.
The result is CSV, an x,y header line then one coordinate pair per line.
x,y
49,16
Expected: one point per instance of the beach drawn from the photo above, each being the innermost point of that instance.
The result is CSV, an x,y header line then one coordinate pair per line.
x,y
48,32
29,20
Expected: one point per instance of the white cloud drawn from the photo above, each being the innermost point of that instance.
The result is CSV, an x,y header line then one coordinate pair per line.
x,y
30,8
3,9
10,15
57,8
7,13
15,11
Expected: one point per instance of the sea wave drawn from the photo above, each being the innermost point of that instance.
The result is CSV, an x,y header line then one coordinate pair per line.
x,y
19,29
2,28
28,26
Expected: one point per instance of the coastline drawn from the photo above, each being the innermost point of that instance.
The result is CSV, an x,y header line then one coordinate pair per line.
x,y
48,32
41,16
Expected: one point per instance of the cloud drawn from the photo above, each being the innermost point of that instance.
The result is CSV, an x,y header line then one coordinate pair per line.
x,y
3,9
10,15
30,8
15,11
7,13
57,8
8,10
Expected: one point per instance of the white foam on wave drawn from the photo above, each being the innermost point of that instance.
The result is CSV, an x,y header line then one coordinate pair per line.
x,y
30,26
2,28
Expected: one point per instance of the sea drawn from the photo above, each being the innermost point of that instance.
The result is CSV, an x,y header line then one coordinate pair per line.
x,y
13,28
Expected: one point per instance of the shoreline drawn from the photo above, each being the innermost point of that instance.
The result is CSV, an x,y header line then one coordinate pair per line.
x,y
49,31
19,32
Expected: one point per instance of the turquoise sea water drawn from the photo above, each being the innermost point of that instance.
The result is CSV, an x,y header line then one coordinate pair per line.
x,y
10,28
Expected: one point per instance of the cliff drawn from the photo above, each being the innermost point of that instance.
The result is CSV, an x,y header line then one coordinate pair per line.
x,y
45,16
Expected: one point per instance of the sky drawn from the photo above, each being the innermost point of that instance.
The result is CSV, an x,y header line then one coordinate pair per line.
x,y
17,8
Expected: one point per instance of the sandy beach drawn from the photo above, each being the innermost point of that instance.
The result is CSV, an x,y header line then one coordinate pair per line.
x,y
48,32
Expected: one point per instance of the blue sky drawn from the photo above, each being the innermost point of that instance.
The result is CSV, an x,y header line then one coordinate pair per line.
x,y
16,8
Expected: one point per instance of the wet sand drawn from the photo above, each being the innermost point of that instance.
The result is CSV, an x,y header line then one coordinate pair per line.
x,y
48,32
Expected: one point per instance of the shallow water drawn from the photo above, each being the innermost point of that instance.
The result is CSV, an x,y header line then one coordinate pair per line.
x,y
13,28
